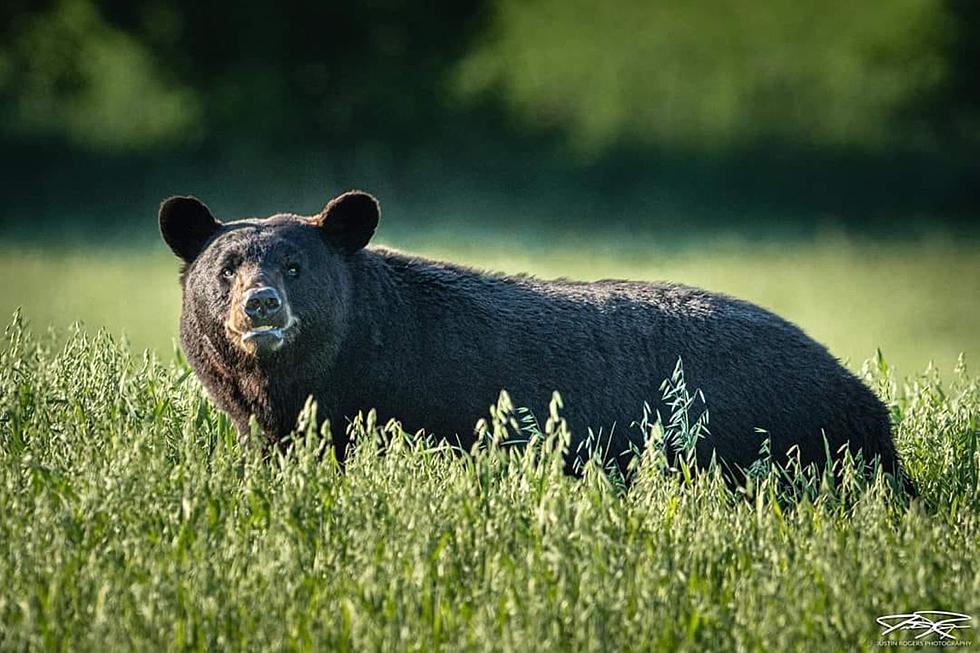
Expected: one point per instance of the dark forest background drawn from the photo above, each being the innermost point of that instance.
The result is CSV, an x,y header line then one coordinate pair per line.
x,y
776,116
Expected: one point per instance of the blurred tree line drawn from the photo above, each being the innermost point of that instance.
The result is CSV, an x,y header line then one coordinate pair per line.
x,y
143,75
867,96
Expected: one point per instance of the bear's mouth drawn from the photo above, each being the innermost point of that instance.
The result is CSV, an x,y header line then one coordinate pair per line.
x,y
268,331
263,337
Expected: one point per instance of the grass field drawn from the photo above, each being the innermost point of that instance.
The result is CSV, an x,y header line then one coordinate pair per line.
x,y
131,518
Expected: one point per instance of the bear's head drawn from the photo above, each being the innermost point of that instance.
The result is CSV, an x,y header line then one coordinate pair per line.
x,y
267,290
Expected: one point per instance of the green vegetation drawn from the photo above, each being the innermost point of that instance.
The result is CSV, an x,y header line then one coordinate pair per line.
x,y
914,301
74,75
703,74
709,74
780,113
132,519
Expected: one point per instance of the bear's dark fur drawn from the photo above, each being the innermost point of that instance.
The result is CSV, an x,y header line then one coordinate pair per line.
x,y
433,344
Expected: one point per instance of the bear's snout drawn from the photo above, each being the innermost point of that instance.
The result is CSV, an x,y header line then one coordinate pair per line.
x,y
261,303
259,319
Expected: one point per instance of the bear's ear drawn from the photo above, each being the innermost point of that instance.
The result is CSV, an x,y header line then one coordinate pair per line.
x,y
349,220
186,225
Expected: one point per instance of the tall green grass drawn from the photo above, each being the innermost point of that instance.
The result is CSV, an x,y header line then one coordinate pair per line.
x,y
131,518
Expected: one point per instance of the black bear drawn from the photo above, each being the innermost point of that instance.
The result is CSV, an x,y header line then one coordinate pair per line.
x,y
279,309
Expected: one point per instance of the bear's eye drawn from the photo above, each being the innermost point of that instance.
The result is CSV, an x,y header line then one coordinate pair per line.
x,y
292,270
227,272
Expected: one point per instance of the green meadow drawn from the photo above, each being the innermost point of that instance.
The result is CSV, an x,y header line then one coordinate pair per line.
x,y
132,519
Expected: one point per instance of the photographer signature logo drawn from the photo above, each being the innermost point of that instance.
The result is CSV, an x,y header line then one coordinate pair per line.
x,y
938,623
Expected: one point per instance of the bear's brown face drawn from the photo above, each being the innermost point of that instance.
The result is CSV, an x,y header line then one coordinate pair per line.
x,y
260,268
266,289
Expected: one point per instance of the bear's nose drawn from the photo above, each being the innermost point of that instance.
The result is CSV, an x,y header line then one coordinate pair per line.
x,y
260,303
